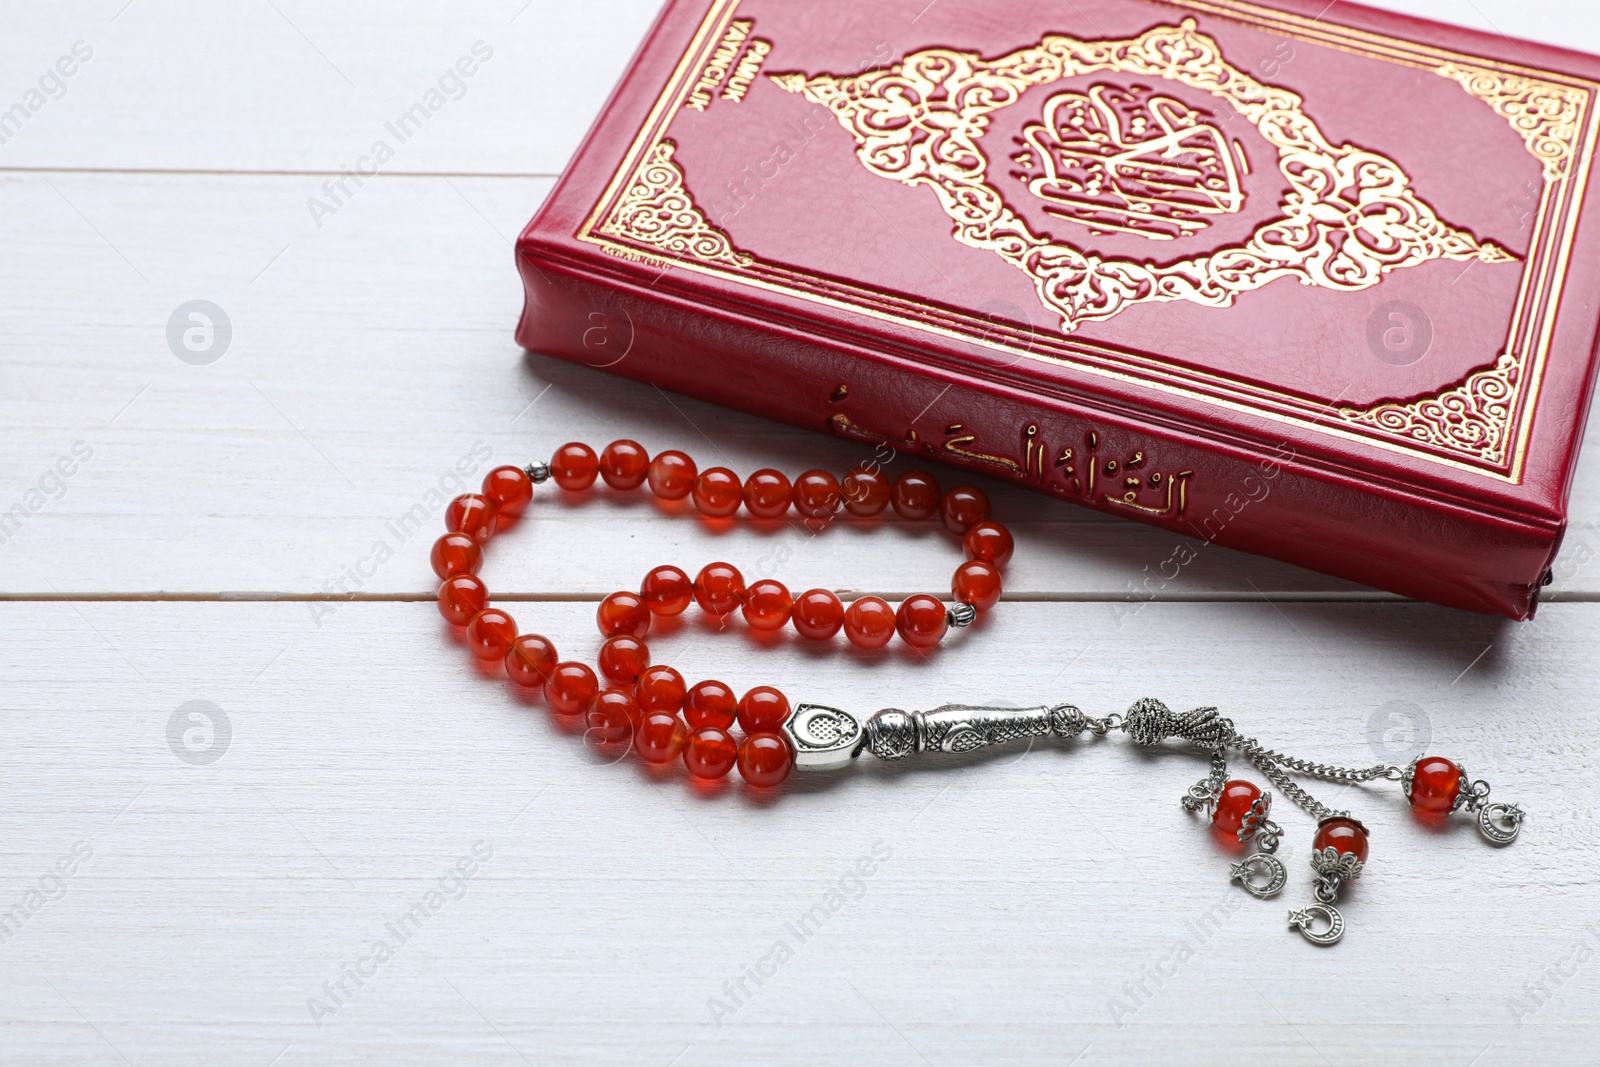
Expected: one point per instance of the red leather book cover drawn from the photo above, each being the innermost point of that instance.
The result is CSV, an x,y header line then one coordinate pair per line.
x,y
1319,283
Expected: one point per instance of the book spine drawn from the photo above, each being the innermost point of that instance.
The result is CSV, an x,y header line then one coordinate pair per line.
x,y
1265,500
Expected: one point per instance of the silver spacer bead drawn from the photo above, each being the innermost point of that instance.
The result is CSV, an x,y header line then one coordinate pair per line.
x,y
892,734
963,615
539,472
1067,722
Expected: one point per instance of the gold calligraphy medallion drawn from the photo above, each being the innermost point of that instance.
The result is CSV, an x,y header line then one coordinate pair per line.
x,y
1131,160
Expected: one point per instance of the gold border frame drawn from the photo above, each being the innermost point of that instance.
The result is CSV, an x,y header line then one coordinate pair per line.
x,y
1533,316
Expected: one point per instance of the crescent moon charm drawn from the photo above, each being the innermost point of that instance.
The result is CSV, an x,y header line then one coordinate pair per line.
x,y
1259,863
1500,823
1306,918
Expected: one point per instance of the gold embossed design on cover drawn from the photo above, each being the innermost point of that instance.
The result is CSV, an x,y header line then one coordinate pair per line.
x,y
1349,217
1131,160
657,210
1472,418
1545,114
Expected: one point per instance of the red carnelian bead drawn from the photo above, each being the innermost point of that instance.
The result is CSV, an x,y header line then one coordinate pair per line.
x,y
710,703
719,588
817,614
509,489
490,633
571,688
915,495
763,710
1232,806
963,508
462,597
574,467
1435,785
1345,836
816,495
765,760
922,621
666,591
977,583
659,689
623,658
767,605
624,464
990,542
456,553
672,475
530,661
659,737
623,613
718,493
869,622
865,491
710,753
612,716
768,494
472,515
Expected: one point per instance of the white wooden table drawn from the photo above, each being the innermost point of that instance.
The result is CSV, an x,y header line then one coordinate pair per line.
x,y
217,540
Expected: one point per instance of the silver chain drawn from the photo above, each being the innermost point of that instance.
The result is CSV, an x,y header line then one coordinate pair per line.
x,y
1345,775
1273,764
1219,773
1264,759
1101,727
1149,722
